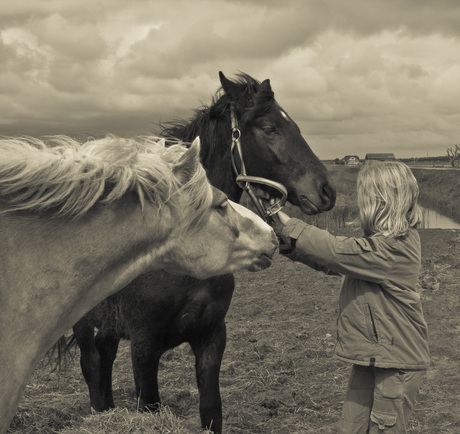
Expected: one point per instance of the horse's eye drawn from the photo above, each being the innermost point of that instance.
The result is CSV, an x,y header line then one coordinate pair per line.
x,y
222,207
269,129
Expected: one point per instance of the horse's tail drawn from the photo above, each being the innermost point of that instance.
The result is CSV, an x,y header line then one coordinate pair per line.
x,y
61,353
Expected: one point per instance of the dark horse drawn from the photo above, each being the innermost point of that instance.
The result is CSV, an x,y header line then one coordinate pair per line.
x,y
185,309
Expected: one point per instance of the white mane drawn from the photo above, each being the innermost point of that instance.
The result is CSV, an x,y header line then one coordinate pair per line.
x,y
69,177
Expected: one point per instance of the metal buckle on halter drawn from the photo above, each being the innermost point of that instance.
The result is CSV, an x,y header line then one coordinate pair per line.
x,y
236,133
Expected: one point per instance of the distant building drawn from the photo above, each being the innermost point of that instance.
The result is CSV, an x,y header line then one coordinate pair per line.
x,y
382,156
350,160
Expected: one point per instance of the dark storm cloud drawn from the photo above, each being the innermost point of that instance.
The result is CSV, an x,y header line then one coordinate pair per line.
x,y
368,17
354,75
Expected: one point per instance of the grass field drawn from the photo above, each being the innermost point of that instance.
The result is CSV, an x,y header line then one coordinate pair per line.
x,y
278,374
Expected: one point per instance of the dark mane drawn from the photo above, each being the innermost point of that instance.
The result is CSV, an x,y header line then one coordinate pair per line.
x,y
212,123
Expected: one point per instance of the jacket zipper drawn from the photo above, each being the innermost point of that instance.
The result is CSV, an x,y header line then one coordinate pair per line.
x,y
374,328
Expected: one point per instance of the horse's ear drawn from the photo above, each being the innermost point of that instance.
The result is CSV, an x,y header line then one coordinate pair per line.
x,y
195,148
264,93
265,86
230,88
188,163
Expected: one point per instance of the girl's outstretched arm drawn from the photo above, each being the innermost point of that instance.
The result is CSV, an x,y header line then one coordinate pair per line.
x,y
293,253
364,258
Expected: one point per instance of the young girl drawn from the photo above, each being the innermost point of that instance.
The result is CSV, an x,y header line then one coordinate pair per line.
x,y
380,328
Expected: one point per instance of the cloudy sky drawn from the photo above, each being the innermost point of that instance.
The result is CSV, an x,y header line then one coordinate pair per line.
x,y
357,76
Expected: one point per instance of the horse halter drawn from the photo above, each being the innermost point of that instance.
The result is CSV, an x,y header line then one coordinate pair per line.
x,y
266,211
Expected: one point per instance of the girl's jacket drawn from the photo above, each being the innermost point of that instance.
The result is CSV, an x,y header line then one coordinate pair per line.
x,y
380,320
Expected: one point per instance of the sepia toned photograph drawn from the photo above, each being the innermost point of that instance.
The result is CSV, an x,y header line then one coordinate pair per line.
x,y
229,217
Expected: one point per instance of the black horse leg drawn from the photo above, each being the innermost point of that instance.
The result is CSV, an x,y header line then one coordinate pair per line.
x,y
208,357
90,361
146,359
107,346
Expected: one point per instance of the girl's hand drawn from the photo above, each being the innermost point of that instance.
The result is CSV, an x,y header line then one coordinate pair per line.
x,y
280,219
283,217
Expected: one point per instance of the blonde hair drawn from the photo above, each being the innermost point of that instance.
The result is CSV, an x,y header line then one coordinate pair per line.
x,y
69,177
387,198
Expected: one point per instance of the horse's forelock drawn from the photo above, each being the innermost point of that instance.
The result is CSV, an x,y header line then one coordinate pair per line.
x,y
250,84
254,98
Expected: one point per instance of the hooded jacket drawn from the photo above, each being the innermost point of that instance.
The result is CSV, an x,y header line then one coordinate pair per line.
x,y
380,321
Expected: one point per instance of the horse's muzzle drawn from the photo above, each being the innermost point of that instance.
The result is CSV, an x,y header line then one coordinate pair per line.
x,y
263,262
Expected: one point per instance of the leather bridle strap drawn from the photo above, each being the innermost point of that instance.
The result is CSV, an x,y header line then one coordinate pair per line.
x,y
266,211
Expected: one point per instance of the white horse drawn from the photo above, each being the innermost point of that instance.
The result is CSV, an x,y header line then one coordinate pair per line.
x,y
78,222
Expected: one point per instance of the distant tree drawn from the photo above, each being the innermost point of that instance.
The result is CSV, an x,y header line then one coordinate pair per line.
x,y
454,155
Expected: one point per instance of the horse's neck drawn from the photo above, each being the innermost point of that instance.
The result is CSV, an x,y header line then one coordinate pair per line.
x,y
53,272
76,264
220,171
215,149
225,180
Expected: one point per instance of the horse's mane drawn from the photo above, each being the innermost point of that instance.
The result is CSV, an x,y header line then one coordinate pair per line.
x,y
68,178
251,100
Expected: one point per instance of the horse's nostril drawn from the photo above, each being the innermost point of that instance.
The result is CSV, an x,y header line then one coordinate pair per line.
x,y
329,195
